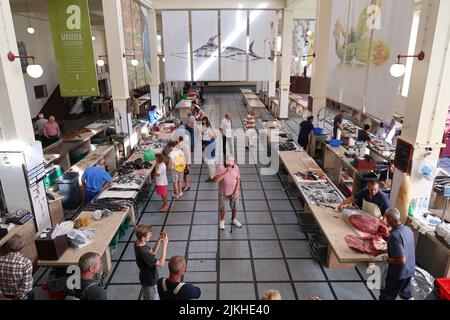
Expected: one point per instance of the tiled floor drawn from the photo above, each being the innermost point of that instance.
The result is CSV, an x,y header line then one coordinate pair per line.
x,y
269,251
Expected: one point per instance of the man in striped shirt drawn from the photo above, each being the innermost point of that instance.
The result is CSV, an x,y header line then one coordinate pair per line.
x,y
16,272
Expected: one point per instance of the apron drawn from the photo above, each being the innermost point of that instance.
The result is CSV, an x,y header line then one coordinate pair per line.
x,y
371,208
338,134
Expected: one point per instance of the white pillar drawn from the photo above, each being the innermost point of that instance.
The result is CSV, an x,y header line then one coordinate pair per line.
x,y
15,118
258,87
155,81
286,63
321,43
272,88
429,96
112,12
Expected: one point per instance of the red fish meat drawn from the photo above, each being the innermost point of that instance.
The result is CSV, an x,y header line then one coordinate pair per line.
x,y
369,224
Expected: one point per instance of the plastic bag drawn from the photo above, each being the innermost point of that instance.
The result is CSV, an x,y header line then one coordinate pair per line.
x,y
62,229
422,284
80,238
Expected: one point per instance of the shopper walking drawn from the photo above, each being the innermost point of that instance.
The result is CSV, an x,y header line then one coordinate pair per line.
x,y
51,131
183,146
190,127
229,177
227,135
250,126
161,181
146,260
39,126
171,288
177,165
209,148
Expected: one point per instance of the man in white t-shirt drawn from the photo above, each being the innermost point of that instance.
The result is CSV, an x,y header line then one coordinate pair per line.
x,y
175,155
227,135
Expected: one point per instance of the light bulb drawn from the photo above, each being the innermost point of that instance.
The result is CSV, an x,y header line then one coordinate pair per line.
x,y
134,62
397,70
309,33
296,59
304,63
93,38
34,70
163,59
100,62
30,30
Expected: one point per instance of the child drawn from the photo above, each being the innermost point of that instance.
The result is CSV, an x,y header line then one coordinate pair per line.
x,y
177,165
161,181
146,260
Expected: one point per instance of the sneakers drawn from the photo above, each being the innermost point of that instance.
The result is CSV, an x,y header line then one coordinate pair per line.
x,y
237,223
222,225
210,180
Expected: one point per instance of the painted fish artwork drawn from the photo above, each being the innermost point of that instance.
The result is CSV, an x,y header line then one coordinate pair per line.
x,y
210,49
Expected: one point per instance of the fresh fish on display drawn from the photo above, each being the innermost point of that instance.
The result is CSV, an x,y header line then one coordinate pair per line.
x,y
320,193
109,204
130,178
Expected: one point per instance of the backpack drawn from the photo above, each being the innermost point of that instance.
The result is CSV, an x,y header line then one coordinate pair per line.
x,y
179,163
175,291
72,296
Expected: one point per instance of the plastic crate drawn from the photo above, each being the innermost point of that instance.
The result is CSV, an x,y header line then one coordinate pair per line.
x,y
335,143
444,287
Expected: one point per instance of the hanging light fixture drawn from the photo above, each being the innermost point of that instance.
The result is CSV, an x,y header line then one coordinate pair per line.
x,y
30,29
398,69
296,58
33,70
100,62
304,62
134,61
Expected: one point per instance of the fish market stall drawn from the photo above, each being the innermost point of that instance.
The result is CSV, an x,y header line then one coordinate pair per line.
x,y
299,104
184,106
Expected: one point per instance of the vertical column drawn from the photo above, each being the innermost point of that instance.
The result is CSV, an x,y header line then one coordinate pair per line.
x,y
258,87
117,64
155,81
321,42
286,63
15,119
428,100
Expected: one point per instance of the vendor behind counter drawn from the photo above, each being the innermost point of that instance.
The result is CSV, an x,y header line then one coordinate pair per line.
x,y
93,179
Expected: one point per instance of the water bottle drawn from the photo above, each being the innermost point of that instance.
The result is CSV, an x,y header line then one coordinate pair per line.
x,y
412,207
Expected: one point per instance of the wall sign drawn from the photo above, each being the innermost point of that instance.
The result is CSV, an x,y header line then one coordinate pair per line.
x,y
403,156
72,42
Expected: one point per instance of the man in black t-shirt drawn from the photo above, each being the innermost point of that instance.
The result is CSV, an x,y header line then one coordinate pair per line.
x,y
306,132
172,288
363,135
146,260
91,270
337,123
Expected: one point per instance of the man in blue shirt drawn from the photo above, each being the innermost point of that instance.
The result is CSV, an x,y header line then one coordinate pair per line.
x,y
370,194
153,116
337,123
93,179
172,288
401,259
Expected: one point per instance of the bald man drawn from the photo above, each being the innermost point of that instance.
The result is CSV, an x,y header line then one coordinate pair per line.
x,y
51,131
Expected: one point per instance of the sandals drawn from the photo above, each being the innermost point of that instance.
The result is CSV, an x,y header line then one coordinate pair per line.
x,y
187,189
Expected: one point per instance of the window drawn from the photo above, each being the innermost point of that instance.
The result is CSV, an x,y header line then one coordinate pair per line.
x,y
40,91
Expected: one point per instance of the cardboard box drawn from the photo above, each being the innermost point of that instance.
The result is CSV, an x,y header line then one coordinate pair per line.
x,y
51,249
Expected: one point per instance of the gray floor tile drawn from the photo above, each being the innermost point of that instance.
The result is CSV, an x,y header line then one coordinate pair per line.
x,y
255,205
174,248
123,292
272,185
297,204
237,233
305,270
306,290
202,249
179,218
207,195
261,232
351,291
182,206
129,234
209,291
271,270
266,249
128,253
258,217
285,289
194,177
202,266
39,272
270,178
206,205
237,291
249,171
187,196
276,195
250,185
280,205
177,232
236,270
290,231
153,218
341,274
207,186
200,276
40,294
126,272
249,177
253,194
153,206
296,249
234,249
284,217
204,232
206,218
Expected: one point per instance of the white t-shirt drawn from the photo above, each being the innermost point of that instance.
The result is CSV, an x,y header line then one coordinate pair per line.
x,y
226,126
161,180
172,155
207,133
183,146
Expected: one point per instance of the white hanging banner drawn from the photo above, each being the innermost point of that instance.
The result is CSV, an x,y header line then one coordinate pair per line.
x,y
262,45
391,22
176,45
205,45
233,33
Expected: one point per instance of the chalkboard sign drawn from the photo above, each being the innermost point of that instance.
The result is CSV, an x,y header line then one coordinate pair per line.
x,y
403,156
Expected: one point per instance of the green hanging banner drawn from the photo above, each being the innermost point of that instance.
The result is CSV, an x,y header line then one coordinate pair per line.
x,y
72,41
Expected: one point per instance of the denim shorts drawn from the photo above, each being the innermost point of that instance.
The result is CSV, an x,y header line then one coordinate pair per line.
x,y
177,176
